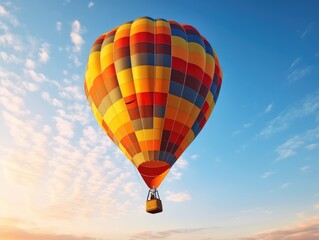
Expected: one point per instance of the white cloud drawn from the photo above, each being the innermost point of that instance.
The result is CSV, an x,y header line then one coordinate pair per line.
x,y
181,163
91,4
44,53
267,174
307,107
305,168
285,185
295,62
3,12
289,148
298,74
38,77
76,37
29,63
7,15
194,157
53,101
58,26
307,30
293,144
9,58
268,108
177,197
64,127
301,231
312,146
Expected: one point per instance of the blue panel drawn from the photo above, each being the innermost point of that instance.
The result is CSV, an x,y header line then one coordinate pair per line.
x,y
209,50
175,88
166,156
163,60
216,95
189,94
196,128
195,38
199,101
178,32
213,88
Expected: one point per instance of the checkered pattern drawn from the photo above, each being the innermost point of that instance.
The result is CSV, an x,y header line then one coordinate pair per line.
x,y
152,85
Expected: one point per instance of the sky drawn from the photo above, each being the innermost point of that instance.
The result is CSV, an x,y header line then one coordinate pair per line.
x,y
252,173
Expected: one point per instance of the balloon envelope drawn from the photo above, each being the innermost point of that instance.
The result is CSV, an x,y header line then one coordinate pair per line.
x,y
152,85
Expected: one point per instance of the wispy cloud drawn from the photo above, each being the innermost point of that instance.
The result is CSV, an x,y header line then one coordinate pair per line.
x,y
91,4
285,185
305,168
267,174
312,146
299,73
306,107
10,231
55,102
9,16
295,62
268,108
165,234
293,144
307,30
177,197
301,231
77,40
44,53
58,26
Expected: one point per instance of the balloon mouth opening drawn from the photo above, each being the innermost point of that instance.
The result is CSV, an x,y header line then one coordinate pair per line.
x,y
154,172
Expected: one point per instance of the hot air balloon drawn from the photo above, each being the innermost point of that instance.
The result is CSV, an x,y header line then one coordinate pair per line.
x,y
152,85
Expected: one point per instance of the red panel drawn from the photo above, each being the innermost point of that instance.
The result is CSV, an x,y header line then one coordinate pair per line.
x,y
145,98
195,71
142,37
179,64
122,42
163,39
160,98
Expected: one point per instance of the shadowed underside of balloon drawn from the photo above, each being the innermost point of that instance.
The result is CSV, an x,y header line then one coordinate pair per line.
x,y
152,85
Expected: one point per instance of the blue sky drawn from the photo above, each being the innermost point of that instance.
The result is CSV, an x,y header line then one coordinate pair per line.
x,y
252,173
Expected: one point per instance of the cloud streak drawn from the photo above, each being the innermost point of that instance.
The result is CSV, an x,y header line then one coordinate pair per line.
x,y
306,107
301,231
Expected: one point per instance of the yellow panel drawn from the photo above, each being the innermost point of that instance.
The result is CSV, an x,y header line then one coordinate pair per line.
x,y
94,64
88,80
144,71
209,97
127,89
190,136
162,72
125,152
123,31
161,85
179,52
160,22
158,123
138,159
148,134
197,59
142,25
143,85
195,47
117,122
184,105
96,113
179,41
107,60
124,76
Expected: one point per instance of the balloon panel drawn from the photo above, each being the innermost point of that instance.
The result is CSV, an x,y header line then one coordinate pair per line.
x,y
152,85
